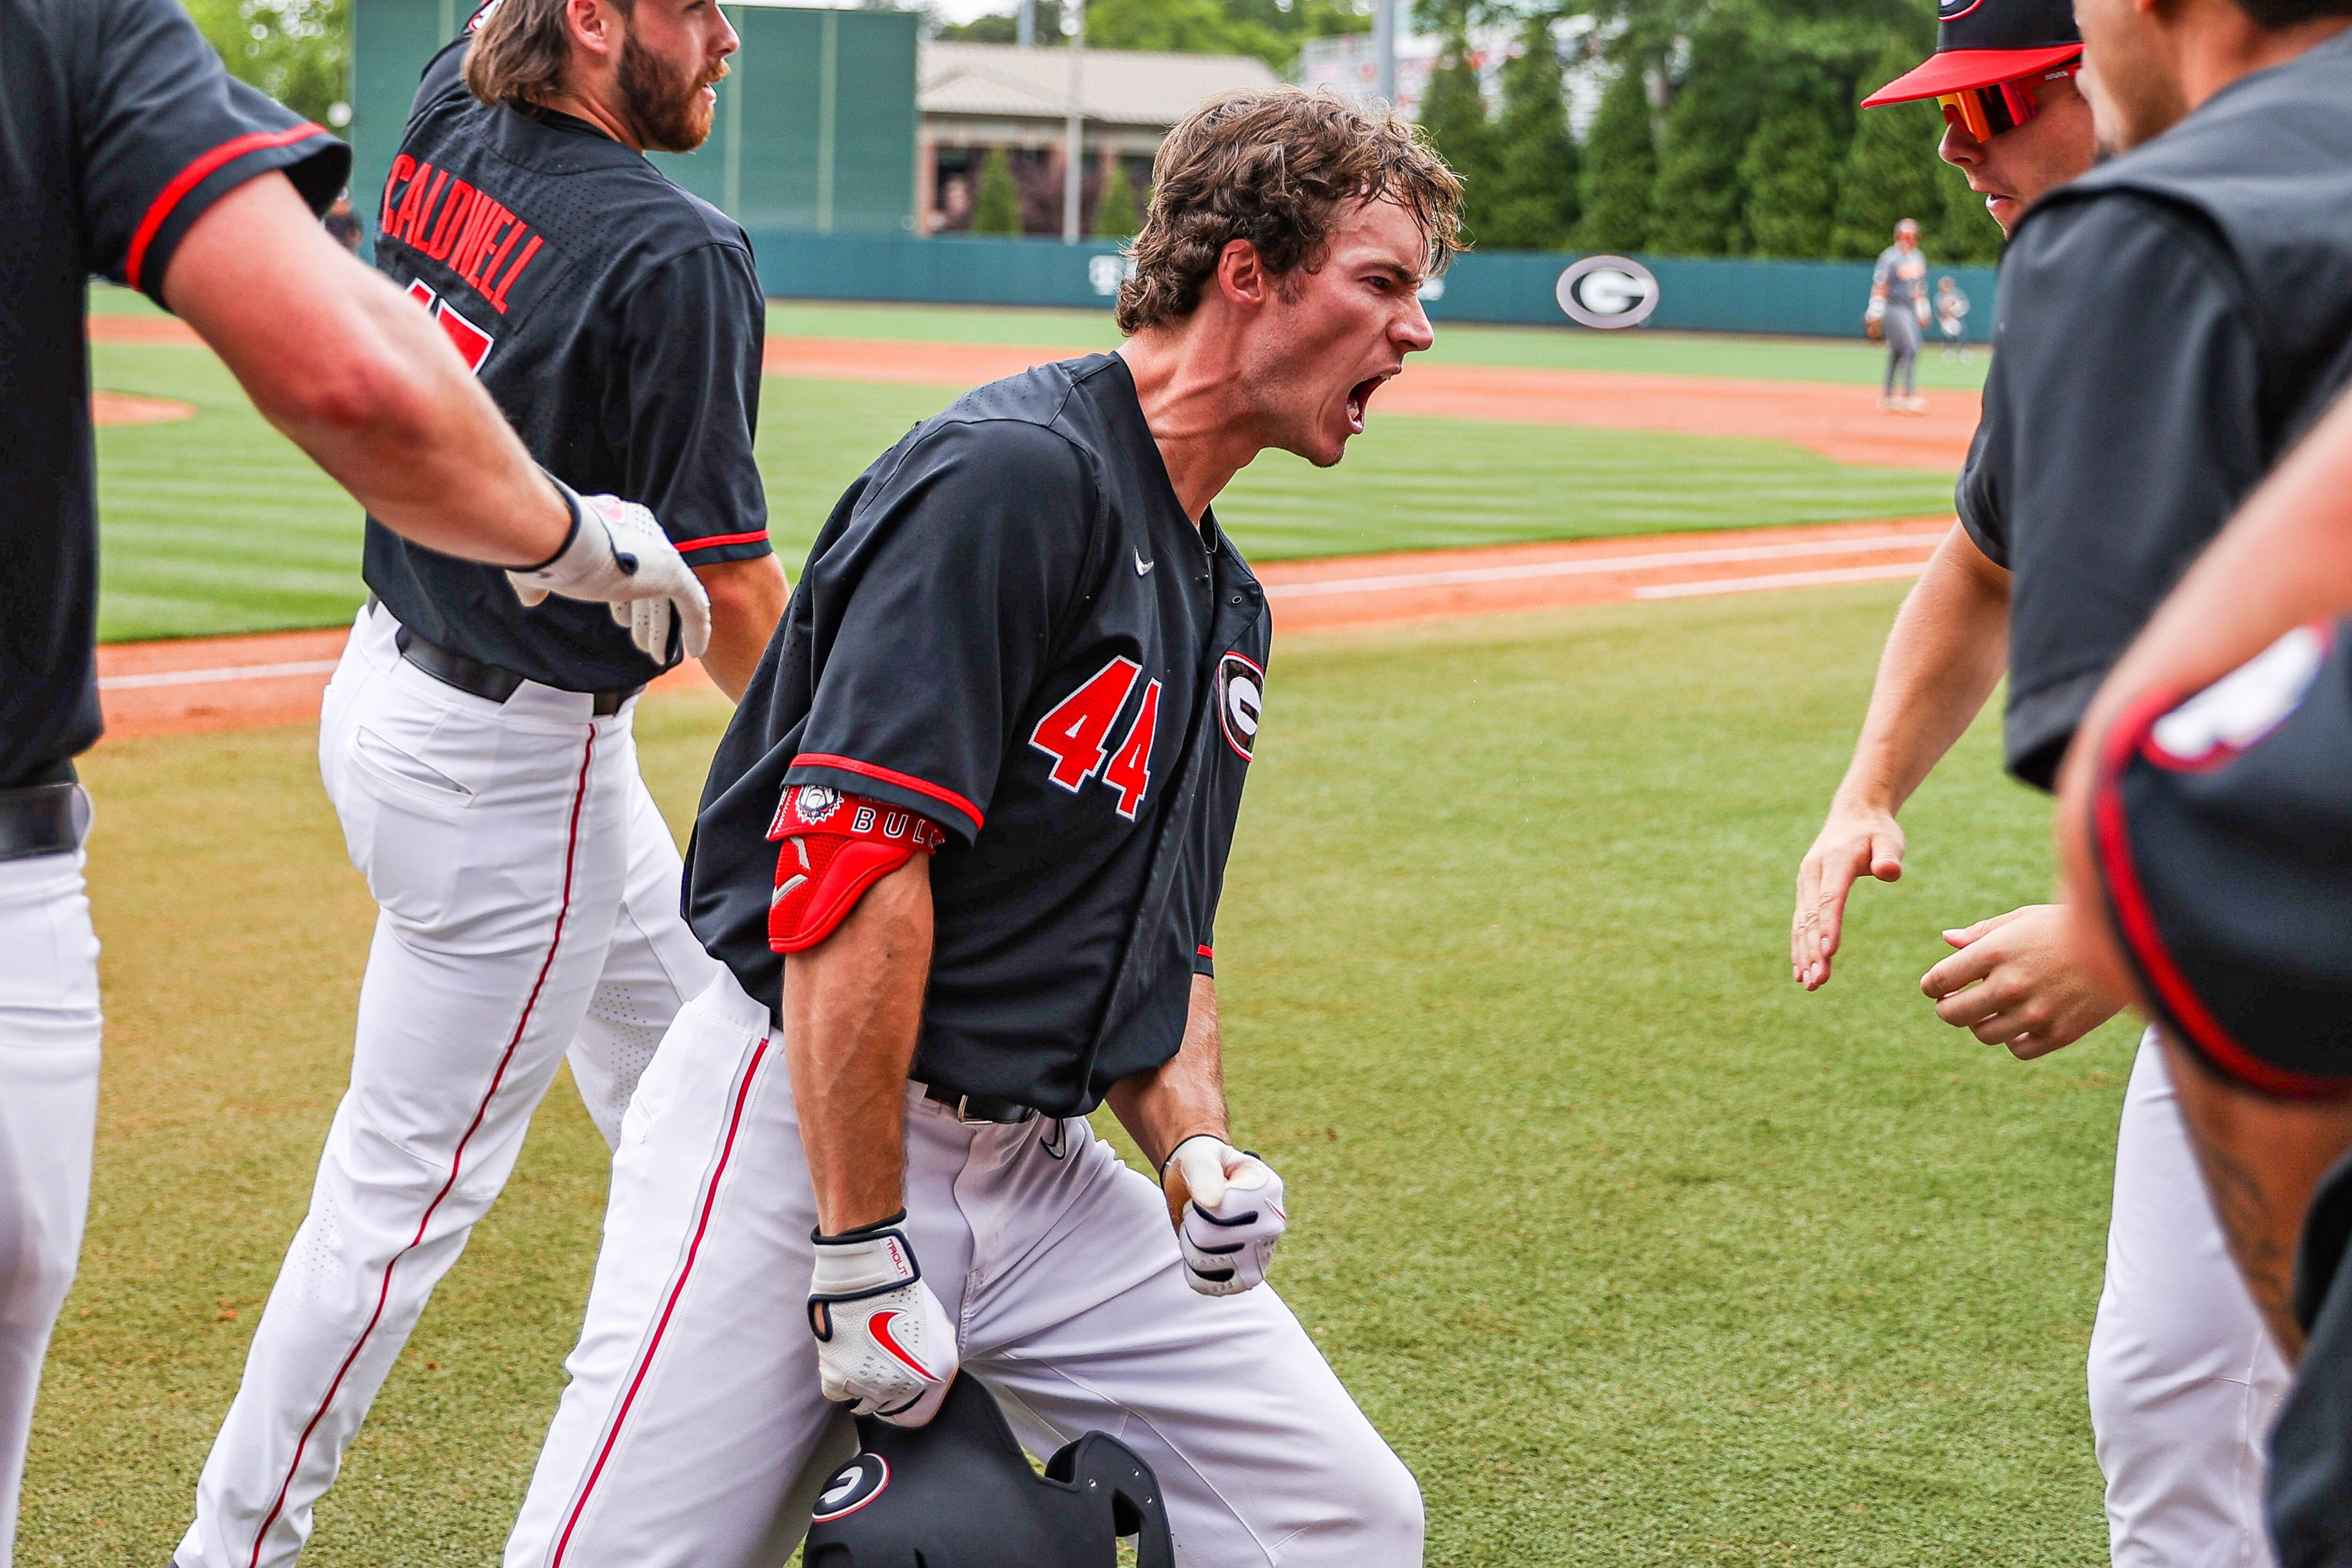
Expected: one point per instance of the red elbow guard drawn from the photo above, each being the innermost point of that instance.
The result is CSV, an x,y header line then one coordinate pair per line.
x,y
834,846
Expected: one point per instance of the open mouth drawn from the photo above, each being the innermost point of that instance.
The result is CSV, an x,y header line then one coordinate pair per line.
x,y
1359,396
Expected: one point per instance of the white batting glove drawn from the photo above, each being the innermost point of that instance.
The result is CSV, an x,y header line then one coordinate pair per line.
x,y
619,556
1227,1206
885,1346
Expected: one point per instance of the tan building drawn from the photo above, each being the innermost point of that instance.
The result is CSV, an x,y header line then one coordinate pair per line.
x,y
977,97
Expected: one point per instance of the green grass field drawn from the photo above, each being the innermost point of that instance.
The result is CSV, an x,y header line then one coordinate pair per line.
x,y
217,525
1638,1255
1562,347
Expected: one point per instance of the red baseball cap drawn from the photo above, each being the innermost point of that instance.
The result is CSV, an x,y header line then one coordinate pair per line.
x,y
1982,43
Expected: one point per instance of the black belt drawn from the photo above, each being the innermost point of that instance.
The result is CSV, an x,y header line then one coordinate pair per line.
x,y
486,681
981,1107
41,819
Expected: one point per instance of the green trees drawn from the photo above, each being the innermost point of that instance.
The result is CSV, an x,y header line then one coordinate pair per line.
x,y
1790,168
996,204
1963,230
1536,201
1890,166
1696,208
296,51
1621,166
1115,214
1270,29
1455,116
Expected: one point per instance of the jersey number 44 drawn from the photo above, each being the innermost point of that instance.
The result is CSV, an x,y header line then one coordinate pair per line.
x,y
1077,733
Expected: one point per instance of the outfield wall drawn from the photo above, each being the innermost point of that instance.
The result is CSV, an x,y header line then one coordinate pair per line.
x,y
1804,299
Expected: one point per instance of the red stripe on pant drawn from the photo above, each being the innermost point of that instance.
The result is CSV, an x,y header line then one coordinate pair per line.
x,y
677,1289
456,1157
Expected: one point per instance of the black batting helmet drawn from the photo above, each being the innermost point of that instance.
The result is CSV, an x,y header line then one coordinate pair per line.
x,y
960,1493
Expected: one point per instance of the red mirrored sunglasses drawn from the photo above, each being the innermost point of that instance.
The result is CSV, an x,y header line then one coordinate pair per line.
x,y
1984,113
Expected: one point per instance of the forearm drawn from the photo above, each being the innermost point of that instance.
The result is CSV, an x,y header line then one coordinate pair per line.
x,y
1942,660
362,379
747,600
2262,1159
1185,1094
851,1006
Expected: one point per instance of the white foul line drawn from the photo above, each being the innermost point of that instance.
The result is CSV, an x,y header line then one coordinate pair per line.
x,y
1595,565
1782,580
207,676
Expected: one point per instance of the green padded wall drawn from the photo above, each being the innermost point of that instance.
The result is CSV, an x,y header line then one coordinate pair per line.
x,y
816,124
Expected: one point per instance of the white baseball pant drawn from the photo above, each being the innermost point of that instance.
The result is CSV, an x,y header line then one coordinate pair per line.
x,y
2185,1380
50,1029
529,894
693,1432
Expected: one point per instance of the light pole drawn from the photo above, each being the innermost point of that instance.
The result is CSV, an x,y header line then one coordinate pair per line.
x,y
1384,51
1074,132
1027,35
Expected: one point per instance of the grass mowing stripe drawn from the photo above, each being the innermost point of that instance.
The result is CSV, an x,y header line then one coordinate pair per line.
x,y
1638,1255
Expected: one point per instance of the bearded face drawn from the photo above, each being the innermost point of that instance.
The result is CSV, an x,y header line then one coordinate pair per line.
x,y
669,103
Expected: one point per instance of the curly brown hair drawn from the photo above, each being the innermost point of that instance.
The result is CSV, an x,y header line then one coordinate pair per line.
x,y
1277,166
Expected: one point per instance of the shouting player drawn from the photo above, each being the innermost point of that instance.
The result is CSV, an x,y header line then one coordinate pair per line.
x,y
478,750
960,853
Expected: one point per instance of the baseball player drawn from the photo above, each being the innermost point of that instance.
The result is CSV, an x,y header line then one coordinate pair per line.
x,y
478,747
2203,824
1897,309
2182,1381
128,151
960,854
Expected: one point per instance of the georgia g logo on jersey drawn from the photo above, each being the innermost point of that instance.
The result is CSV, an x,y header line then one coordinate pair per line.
x,y
1240,701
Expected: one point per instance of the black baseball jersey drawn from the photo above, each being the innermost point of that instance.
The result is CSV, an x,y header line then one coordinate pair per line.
x,y
1009,625
2224,846
615,320
2169,323
119,129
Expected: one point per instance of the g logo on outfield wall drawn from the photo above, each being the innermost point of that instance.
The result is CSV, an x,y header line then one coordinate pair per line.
x,y
1607,291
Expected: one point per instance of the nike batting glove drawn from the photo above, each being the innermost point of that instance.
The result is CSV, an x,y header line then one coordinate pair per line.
x,y
618,556
885,1346
1227,1206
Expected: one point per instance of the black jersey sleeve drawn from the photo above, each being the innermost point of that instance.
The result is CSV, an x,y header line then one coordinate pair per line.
x,y
935,613
165,131
1976,496
693,332
2128,397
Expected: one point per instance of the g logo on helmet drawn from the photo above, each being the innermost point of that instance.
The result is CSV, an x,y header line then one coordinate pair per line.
x,y
1607,292
1240,702
853,1486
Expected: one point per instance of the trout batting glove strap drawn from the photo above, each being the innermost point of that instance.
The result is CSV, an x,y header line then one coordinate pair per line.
x,y
1228,1208
833,847
885,1346
618,556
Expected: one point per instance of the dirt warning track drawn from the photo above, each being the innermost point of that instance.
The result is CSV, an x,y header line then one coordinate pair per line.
x,y
1841,422
233,683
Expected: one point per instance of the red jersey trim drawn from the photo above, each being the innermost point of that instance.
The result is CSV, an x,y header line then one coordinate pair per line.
x,y
713,540
2137,922
891,775
1204,953
188,179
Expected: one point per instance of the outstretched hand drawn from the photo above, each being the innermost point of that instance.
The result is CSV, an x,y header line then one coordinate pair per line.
x,y
2015,982
1851,843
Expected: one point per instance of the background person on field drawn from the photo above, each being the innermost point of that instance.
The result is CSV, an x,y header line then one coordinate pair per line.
x,y
2217,887
1952,317
479,751
1897,309
130,153
2180,1376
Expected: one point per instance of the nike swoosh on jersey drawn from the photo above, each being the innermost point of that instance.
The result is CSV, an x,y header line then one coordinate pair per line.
x,y
879,1325
1142,567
